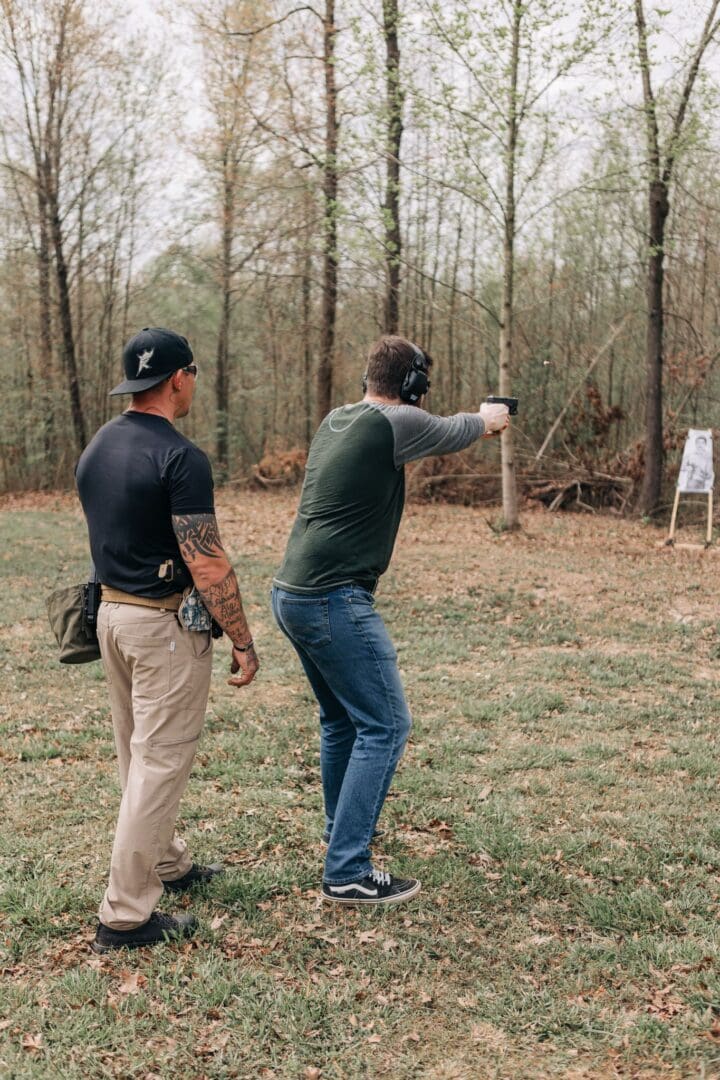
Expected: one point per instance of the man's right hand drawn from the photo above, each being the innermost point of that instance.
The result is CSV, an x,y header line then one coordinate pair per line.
x,y
245,661
495,417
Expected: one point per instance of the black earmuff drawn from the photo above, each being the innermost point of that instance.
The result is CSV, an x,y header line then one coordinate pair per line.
x,y
416,382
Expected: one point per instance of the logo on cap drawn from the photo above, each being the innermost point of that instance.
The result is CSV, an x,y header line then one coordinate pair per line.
x,y
144,359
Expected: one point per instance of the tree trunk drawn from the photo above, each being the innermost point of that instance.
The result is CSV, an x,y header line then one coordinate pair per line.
x,y
305,265
67,339
46,347
222,386
395,96
417,299
509,484
548,350
222,379
474,350
659,207
330,189
307,347
430,302
454,367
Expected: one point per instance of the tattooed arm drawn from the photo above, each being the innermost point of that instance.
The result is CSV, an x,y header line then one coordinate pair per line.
x,y
201,548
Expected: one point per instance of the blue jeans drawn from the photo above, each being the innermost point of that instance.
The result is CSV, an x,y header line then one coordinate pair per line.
x,y
351,664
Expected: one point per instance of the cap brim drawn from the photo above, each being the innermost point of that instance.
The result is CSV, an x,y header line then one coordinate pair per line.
x,y
136,386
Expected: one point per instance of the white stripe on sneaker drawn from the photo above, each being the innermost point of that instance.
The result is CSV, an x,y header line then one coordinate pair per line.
x,y
353,887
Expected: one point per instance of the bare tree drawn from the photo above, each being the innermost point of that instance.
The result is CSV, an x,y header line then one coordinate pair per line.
x,y
395,98
72,146
34,47
52,88
513,54
513,115
235,69
330,210
661,165
327,162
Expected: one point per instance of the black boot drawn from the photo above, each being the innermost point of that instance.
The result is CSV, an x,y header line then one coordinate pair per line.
x,y
158,929
196,875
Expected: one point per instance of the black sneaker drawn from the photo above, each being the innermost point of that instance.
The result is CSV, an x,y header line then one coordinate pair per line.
x,y
196,875
158,929
376,888
375,836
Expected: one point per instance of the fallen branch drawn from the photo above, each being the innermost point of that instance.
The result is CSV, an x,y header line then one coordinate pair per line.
x,y
599,488
440,478
269,481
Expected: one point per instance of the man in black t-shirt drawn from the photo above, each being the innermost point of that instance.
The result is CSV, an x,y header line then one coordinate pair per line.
x,y
147,494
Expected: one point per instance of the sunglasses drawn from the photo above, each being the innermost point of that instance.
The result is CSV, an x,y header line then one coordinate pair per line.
x,y
191,369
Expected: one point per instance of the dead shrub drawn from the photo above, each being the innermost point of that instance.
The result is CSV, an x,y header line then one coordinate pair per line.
x,y
280,468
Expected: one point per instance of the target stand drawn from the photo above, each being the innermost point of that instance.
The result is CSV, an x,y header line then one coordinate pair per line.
x,y
696,477
670,542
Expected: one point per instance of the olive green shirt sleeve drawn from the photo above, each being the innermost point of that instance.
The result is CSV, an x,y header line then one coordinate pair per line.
x,y
419,434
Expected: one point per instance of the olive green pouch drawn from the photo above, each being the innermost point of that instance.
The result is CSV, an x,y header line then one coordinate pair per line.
x,y
67,612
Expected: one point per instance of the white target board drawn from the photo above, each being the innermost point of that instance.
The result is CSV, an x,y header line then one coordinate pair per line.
x,y
696,472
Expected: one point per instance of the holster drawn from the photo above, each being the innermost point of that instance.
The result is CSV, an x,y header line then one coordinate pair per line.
x,y
91,600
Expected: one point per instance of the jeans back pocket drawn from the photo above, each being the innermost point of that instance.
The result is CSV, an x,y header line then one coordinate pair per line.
x,y
306,619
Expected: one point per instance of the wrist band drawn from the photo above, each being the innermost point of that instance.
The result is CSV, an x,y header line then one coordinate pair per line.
x,y
243,648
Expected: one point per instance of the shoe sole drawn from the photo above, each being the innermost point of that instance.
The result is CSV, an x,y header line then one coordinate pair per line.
x,y
173,887
399,899
101,949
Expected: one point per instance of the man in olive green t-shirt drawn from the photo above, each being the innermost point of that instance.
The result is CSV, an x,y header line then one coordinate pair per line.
x,y
341,542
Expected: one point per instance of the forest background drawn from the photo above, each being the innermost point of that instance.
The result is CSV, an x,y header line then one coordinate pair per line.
x,y
526,189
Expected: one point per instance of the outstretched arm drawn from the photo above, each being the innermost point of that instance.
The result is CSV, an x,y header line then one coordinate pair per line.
x,y
199,541
419,434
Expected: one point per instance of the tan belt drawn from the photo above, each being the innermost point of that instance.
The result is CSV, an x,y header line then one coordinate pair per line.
x,y
164,603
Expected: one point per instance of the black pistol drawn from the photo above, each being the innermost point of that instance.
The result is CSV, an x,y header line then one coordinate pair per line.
x,y
511,402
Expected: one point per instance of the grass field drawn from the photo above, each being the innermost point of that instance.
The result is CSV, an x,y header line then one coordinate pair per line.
x,y
559,800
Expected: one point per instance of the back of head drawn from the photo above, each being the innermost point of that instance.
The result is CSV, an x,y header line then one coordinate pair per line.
x,y
150,357
389,363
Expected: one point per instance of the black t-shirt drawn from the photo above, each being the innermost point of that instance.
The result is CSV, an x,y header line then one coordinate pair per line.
x,y
132,477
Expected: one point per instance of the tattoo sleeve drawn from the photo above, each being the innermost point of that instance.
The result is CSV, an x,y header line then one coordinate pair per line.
x,y
198,538
197,535
225,605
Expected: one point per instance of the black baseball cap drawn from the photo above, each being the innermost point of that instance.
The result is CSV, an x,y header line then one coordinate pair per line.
x,y
151,356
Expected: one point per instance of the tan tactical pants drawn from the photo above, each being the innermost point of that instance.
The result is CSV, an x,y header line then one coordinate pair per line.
x,y
159,678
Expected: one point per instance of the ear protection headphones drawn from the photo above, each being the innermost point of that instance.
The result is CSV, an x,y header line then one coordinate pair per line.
x,y
416,382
